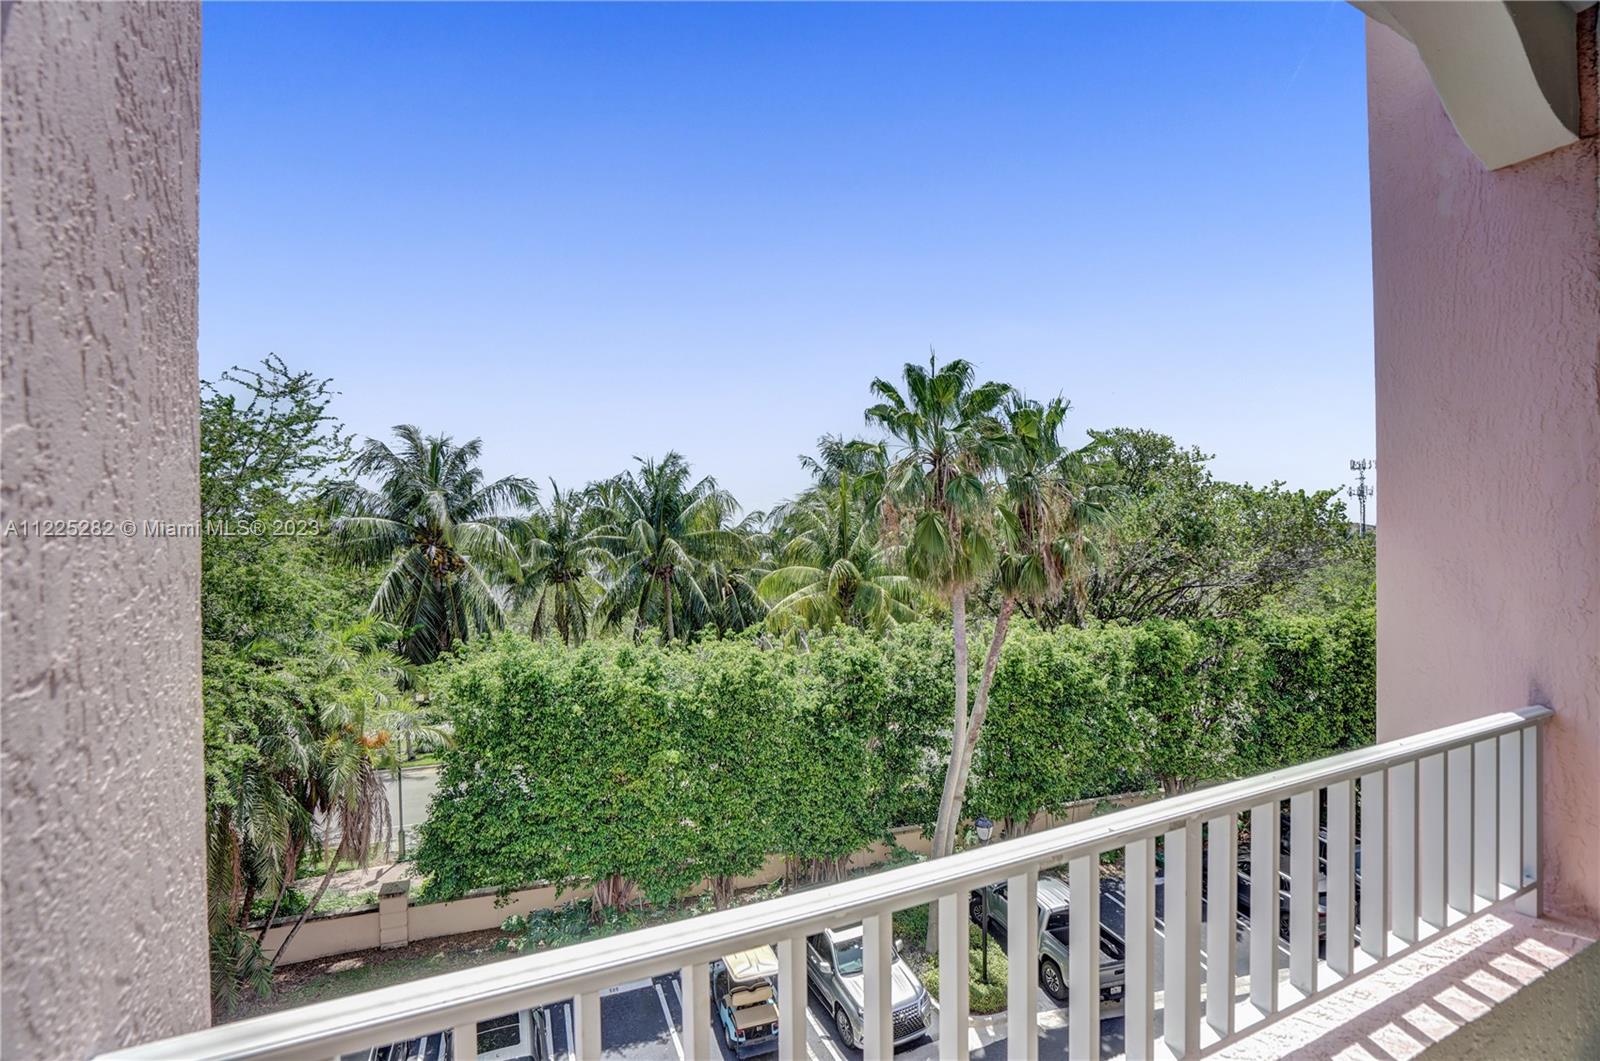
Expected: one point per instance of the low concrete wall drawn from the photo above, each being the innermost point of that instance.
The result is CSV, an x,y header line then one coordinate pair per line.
x,y
397,920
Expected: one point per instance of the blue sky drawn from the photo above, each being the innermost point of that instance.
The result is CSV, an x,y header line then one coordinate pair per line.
x,y
589,232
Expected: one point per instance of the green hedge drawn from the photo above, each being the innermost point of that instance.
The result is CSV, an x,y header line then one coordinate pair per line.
x,y
663,767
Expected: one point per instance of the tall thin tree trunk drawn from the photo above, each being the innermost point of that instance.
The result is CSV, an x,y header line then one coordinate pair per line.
x,y
980,705
289,871
400,805
666,603
333,865
944,829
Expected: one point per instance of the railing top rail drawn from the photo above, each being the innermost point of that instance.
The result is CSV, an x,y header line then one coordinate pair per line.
x,y
451,999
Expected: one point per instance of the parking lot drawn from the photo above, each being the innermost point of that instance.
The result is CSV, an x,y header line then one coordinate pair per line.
x,y
641,1021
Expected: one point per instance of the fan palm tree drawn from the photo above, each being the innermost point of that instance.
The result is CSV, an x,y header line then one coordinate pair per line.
x,y
945,431
1043,515
441,531
560,556
661,527
835,567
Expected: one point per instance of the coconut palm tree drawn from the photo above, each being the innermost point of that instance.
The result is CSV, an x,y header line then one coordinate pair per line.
x,y
560,557
944,432
441,531
834,566
661,526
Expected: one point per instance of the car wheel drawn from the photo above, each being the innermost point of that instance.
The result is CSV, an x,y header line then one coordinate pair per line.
x,y
847,1028
1051,980
975,907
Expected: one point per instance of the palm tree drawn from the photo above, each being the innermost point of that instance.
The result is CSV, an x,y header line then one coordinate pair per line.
x,y
945,432
559,559
355,685
441,531
406,727
1043,513
662,526
835,567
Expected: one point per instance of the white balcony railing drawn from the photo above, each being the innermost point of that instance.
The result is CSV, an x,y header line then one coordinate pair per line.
x,y
1448,823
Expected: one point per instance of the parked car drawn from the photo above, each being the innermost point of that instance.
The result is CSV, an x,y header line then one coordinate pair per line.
x,y
744,990
516,1036
1055,898
1285,884
834,970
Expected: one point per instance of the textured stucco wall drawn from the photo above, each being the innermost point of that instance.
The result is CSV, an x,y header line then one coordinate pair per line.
x,y
1487,313
101,892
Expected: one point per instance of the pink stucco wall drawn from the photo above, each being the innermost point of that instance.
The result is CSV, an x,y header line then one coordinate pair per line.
x,y
1487,314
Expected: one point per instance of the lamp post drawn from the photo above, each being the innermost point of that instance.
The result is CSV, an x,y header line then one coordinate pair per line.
x,y
985,829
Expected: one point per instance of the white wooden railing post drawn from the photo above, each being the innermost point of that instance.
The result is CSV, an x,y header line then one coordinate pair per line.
x,y
1139,987
954,975
586,1025
877,953
1302,892
1532,870
464,1041
1375,878
792,996
1182,999
1222,911
1083,953
1486,820
1022,955
1405,852
1433,841
1264,827
695,982
1341,877
1459,763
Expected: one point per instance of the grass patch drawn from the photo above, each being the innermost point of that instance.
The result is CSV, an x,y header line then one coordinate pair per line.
x,y
984,996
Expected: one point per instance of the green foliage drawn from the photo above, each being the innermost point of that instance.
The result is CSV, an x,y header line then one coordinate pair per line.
x,y
658,767
983,996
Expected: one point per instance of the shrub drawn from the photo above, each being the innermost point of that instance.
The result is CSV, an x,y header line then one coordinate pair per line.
x,y
983,996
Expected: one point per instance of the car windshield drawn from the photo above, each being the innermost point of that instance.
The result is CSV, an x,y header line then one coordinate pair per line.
x,y
847,957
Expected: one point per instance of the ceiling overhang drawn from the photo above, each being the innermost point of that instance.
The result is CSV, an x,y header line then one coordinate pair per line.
x,y
1507,73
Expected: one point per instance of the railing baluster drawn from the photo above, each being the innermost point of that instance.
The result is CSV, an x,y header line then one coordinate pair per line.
x,y
1083,954
1375,863
1433,840
1222,909
1182,906
1303,891
954,943
1341,877
877,1033
1511,811
695,982
1264,829
1458,761
464,1042
1485,820
792,997
1404,853
1139,988
1532,866
1022,954
586,1026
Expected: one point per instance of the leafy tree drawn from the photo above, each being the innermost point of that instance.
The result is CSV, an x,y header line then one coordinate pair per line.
x,y
1184,686
560,558
660,526
441,532
944,430
1187,545
264,434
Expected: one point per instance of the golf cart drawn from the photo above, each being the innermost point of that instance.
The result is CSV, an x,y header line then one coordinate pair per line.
x,y
744,992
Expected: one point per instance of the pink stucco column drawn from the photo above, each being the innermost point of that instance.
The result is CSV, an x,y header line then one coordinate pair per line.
x,y
1487,315
102,894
